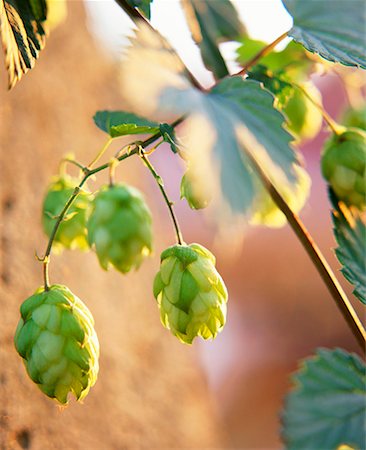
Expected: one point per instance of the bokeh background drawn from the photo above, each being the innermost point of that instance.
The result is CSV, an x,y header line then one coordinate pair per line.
x,y
154,392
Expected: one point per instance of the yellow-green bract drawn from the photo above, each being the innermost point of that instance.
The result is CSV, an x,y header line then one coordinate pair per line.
x,y
194,192
57,341
71,233
344,166
120,227
190,293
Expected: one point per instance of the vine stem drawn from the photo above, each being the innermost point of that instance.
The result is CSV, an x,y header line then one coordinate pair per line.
x,y
169,203
315,255
88,173
265,50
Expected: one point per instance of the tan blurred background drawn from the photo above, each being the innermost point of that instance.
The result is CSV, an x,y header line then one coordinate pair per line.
x,y
152,391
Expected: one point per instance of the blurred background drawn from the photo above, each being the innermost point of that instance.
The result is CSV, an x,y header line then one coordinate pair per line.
x,y
154,392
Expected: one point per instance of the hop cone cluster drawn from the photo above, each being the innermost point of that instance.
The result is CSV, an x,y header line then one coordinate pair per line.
x,y
56,338
195,193
120,227
71,233
190,293
344,166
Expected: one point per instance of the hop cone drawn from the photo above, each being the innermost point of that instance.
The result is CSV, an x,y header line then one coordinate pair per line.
x,y
56,338
120,227
72,230
265,212
344,166
355,118
190,293
304,118
196,194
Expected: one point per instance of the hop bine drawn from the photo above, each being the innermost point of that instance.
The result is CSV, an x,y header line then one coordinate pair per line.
x,y
57,341
190,293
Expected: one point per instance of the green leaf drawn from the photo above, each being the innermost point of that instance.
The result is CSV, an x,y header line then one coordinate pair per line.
x,y
120,123
327,405
235,114
22,35
142,5
333,29
212,22
169,136
350,233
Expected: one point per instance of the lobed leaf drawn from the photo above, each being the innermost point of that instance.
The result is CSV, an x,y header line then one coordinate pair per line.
x,y
143,5
235,114
22,35
350,233
121,123
326,407
333,29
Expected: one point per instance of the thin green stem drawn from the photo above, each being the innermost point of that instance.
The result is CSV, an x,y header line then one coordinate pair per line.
x,y
100,153
169,203
319,261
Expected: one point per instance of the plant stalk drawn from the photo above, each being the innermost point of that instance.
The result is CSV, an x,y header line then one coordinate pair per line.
x,y
165,195
321,264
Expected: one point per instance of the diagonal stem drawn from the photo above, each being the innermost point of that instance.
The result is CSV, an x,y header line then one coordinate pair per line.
x,y
315,255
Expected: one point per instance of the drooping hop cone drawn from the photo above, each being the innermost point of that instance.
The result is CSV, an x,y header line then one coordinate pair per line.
x,y
119,227
197,194
71,233
344,166
57,341
190,293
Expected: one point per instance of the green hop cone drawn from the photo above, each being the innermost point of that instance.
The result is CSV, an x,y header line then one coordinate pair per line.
x,y
71,233
304,119
190,293
120,227
355,118
197,196
344,166
57,341
265,211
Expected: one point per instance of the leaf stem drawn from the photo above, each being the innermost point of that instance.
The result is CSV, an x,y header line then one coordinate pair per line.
x,y
169,203
265,50
100,153
315,255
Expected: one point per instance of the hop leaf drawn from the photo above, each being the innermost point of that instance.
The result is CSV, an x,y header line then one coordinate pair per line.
x,y
190,293
194,190
344,165
57,341
71,233
119,227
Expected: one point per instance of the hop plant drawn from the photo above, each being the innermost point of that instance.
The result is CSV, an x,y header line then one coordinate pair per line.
x,y
304,119
190,293
344,166
71,233
119,227
265,211
57,341
196,195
